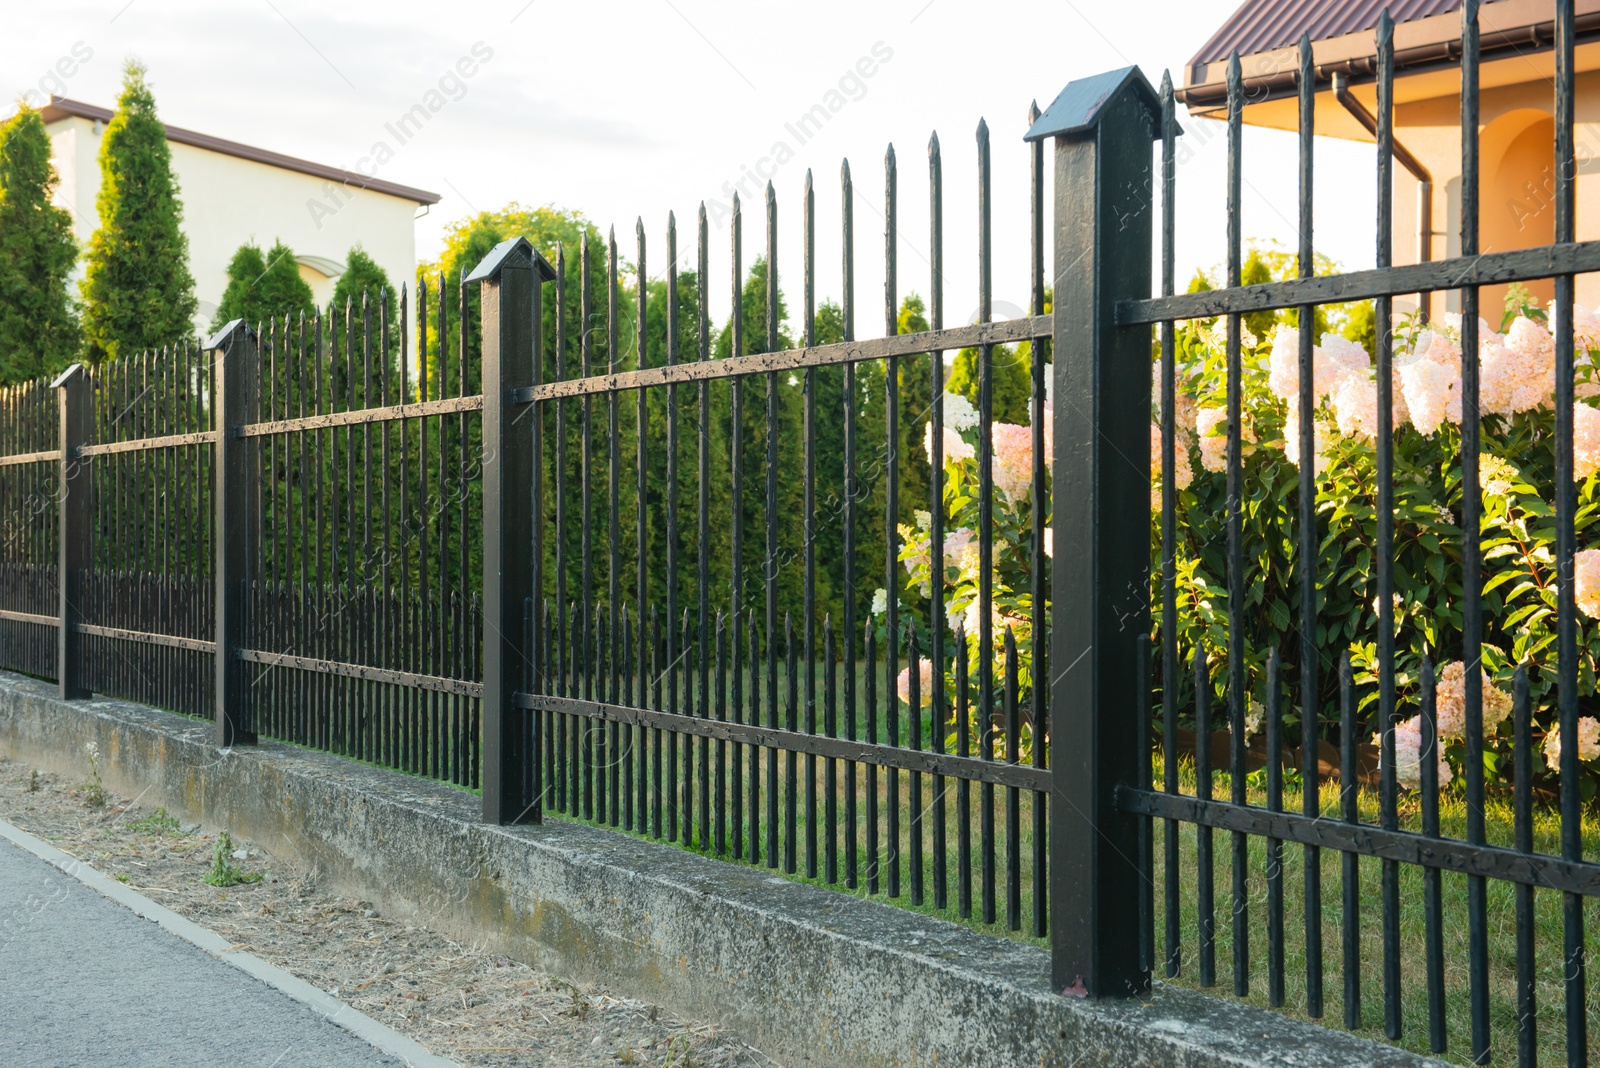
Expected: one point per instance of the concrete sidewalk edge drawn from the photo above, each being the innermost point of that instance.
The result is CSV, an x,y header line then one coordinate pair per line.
x,y
364,1027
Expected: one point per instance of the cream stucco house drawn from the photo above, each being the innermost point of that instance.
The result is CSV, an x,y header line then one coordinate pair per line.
x,y
233,193
1516,134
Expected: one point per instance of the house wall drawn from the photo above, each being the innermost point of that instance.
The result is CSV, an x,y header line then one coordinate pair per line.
x,y
228,201
1516,178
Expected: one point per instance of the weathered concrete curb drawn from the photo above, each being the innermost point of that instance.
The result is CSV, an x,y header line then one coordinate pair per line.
x,y
380,1036
810,976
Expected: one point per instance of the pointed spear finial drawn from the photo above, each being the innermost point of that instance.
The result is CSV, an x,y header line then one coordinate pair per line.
x,y
844,171
1385,29
772,196
1165,91
1235,77
983,131
1033,112
808,181
933,145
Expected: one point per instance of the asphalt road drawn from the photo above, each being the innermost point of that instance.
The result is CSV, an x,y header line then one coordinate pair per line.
x,y
85,982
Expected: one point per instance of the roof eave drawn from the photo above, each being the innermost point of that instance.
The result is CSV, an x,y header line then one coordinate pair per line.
x,y
1420,46
60,108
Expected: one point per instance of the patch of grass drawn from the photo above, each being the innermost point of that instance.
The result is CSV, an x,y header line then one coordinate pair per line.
x,y
157,822
122,877
1410,921
34,785
94,791
680,1053
223,870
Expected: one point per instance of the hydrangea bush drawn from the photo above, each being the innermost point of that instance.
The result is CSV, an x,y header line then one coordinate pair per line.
x,y
1517,476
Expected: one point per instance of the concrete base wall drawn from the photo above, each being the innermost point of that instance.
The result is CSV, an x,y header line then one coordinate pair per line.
x,y
806,974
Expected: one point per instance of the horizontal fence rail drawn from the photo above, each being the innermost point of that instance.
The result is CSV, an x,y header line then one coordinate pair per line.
x,y
1490,268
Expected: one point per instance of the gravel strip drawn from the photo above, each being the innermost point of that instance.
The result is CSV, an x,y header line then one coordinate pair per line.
x,y
478,1009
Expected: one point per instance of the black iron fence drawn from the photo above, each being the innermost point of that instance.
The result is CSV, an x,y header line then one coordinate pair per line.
x,y
793,603
1477,975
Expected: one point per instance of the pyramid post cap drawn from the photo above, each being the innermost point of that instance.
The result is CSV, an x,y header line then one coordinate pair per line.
x,y
1079,106
222,337
514,251
77,370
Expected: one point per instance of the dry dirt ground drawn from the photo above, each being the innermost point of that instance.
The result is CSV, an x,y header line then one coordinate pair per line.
x,y
462,1003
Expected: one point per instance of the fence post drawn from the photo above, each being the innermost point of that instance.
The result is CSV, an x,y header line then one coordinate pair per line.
x,y
75,424
511,276
1103,128
236,518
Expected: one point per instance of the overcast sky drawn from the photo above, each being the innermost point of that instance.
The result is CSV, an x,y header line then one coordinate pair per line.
x,y
636,107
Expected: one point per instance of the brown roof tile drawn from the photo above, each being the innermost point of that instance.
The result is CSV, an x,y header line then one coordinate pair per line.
x,y
1262,24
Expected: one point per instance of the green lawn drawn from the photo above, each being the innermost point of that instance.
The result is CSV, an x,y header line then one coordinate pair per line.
x,y
1501,901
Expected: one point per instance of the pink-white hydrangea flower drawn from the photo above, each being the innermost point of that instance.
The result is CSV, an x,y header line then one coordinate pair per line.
x,y
1450,705
1408,754
1355,408
959,412
955,545
1013,459
1283,363
1212,426
1533,384
1432,386
1586,582
1182,410
1585,440
1585,326
956,447
971,617
1498,371
1335,359
1588,742
1291,441
924,683
1183,469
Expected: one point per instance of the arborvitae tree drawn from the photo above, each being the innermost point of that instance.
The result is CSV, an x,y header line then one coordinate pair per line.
x,y
791,454
38,330
916,404
138,293
364,279
263,287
